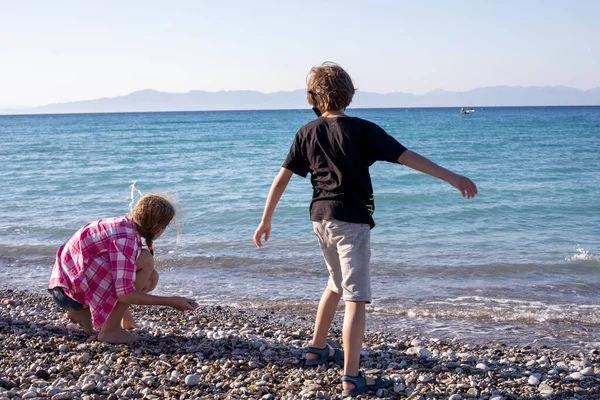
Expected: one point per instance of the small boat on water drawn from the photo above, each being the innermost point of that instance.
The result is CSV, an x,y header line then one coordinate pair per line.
x,y
469,111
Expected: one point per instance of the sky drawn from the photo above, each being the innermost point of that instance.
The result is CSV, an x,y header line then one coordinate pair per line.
x,y
59,51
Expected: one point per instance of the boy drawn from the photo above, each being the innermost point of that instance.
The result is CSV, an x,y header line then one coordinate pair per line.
x,y
337,150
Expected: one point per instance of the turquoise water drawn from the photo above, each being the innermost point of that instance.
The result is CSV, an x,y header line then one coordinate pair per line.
x,y
520,262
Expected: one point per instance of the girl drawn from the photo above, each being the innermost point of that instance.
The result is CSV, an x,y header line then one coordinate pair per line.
x,y
102,269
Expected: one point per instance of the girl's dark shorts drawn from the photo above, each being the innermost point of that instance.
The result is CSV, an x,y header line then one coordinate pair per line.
x,y
65,302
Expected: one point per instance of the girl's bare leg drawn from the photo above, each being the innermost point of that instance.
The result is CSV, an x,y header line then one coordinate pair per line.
x,y
112,332
146,279
83,318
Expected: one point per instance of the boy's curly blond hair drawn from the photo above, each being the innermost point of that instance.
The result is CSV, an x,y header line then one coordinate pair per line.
x,y
329,87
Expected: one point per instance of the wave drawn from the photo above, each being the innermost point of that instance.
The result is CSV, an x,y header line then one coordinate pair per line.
x,y
583,255
218,255
480,309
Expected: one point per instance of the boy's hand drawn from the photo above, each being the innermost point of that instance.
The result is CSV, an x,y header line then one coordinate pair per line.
x,y
263,229
465,185
182,303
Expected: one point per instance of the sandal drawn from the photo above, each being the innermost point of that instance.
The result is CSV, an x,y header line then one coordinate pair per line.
x,y
337,357
360,384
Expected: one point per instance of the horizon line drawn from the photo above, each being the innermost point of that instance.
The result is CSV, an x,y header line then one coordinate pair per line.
x,y
284,109
17,107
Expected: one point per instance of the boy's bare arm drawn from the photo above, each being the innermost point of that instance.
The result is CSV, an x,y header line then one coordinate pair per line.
x,y
420,163
277,188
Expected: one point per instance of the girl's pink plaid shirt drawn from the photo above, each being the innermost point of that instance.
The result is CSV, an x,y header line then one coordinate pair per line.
x,y
97,265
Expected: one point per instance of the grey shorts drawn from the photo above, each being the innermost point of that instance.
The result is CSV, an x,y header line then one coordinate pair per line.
x,y
346,248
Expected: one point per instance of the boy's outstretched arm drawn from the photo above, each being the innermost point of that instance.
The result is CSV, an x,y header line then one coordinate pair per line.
x,y
277,188
420,163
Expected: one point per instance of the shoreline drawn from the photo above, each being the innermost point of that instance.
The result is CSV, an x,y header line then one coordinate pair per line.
x,y
221,352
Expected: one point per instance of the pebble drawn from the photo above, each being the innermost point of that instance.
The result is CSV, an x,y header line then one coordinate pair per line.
x,y
545,389
192,380
88,387
589,371
575,376
228,353
63,396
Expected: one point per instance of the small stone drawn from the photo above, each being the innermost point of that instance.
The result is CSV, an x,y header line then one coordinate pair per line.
x,y
481,366
545,389
372,371
399,387
455,396
497,398
63,348
42,374
29,395
424,378
72,327
589,371
192,380
63,396
533,380
419,352
267,377
576,376
473,392
88,387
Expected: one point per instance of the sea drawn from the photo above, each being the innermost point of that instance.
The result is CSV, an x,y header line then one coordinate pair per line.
x,y
518,264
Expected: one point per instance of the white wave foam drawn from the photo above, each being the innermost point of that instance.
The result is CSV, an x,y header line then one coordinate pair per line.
x,y
132,194
583,255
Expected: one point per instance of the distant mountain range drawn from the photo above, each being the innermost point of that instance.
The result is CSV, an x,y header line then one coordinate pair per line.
x,y
197,100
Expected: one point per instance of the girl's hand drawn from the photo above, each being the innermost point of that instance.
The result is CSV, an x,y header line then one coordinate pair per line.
x,y
263,229
464,185
182,303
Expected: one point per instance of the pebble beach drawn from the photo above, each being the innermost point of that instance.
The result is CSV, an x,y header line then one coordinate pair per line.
x,y
219,352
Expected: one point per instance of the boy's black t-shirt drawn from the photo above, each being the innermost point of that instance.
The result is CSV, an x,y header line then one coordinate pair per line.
x,y
338,153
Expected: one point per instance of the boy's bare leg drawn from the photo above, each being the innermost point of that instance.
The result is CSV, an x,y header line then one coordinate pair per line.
x,y
83,318
325,313
111,331
353,333
146,279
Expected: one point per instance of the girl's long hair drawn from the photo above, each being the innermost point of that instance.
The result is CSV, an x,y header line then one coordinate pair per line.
x,y
151,214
